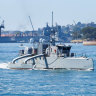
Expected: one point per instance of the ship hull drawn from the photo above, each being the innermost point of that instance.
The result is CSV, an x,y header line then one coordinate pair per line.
x,y
80,63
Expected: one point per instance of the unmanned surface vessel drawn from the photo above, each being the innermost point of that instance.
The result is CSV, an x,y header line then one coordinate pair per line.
x,y
50,56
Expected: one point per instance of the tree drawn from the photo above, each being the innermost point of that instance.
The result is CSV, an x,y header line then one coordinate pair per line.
x,y
89,33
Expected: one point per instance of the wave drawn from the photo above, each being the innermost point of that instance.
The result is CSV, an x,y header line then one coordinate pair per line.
x,y
3,65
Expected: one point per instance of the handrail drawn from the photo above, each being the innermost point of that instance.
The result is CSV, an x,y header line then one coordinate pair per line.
x,y
33,57
14,60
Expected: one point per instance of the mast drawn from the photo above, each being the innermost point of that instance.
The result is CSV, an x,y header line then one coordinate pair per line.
x,y
52,35
52,19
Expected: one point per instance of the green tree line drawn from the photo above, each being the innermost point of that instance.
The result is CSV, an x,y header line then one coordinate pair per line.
x,y
89,33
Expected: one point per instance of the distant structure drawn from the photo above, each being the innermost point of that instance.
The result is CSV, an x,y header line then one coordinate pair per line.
x,y
31,25
50,33
47,30
1,26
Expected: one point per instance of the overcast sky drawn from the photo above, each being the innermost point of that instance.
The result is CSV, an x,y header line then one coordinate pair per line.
x,y
16,12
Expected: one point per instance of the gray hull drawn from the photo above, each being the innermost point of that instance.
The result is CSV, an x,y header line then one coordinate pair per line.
x,y
54,62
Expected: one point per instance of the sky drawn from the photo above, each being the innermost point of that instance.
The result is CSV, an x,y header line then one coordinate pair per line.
x,y
15,13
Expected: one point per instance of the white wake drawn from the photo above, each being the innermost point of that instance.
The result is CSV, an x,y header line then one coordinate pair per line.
x,y
3,65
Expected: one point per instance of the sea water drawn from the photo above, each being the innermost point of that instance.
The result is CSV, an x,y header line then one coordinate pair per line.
x,y
45,82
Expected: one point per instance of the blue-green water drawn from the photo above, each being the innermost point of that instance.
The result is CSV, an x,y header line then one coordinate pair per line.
x,y
46,82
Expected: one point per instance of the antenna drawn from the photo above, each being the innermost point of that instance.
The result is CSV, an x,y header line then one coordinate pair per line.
x,y
52,18
31,23
76,30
